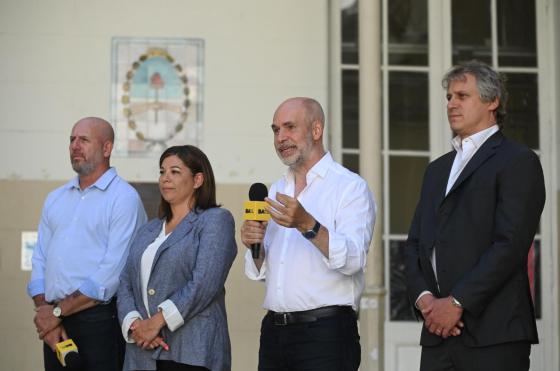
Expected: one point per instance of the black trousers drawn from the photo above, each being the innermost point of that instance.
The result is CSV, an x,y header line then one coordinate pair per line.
x,y
452,355
174,366
328,344
97,335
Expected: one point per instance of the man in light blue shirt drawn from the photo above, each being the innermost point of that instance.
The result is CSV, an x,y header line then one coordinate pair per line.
x,y
85,230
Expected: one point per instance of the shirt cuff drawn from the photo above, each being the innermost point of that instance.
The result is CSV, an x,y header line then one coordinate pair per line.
x,y
251,270
337,252
171,314
36,287
94,291
425,292
127,322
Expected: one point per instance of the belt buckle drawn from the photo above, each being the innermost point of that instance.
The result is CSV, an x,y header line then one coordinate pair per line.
x,y
281,319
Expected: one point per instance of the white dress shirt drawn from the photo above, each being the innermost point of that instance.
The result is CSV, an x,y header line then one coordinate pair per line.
x,y
466,149
297,275
171,314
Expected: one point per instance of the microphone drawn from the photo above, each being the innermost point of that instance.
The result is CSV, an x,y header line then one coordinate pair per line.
x,y
255,210
67,354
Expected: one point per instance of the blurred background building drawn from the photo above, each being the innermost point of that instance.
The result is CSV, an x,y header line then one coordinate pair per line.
x,y
375,65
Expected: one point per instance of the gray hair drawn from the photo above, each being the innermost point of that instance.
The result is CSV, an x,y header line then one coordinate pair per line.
x,y
490,84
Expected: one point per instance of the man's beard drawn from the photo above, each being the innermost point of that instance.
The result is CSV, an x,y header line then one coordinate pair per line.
x,y
83,168
293,160
300,156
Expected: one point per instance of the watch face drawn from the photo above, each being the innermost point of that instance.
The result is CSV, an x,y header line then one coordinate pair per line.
x,y
57,311
310,234
313,232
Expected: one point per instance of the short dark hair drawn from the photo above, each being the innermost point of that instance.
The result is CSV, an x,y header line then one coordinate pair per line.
x,y
197,162
490,84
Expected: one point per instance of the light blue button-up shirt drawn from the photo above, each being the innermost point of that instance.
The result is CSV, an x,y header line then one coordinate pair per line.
x,y
83,238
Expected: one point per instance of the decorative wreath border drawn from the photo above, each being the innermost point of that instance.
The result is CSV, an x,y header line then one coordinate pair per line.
x,y
125,99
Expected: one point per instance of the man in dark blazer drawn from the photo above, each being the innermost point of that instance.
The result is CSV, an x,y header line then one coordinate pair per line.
x,y
466,254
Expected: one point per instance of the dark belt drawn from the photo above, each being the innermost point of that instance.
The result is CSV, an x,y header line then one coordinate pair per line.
x,y
312,315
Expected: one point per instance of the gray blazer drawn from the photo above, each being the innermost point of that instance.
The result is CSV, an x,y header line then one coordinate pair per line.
x,y
190,268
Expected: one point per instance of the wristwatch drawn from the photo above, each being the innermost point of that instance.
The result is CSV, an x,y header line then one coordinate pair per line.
x,y
312,233
455,302
57,311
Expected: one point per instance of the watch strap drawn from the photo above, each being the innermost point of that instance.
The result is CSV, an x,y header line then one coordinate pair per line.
x,y
312,233
456,302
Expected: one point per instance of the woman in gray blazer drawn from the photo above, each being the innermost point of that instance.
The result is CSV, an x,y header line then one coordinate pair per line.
x,y
171,294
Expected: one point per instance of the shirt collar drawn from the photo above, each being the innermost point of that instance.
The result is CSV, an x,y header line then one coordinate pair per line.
x,y
477,139
320,168
102,183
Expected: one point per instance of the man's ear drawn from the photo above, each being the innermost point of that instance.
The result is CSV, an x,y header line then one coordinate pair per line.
x,y
494,104
107,149
316,130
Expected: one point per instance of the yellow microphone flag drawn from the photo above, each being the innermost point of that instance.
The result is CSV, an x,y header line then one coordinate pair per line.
x,y
63,348
255,210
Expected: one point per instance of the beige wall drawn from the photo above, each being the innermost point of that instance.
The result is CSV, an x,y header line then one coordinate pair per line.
x,y
19,347
19,210
56,68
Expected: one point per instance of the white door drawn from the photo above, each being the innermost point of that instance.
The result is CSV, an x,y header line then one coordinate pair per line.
x,y
421,39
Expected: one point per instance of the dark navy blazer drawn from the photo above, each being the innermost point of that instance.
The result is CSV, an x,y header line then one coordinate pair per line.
x,y
482,231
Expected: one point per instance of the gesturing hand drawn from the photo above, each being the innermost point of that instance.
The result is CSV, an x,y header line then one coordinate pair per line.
x,y
288,212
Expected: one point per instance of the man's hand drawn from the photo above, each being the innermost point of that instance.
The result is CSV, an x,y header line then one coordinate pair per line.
x,y
145,332
39,300
252,232
55,336
44,320
289,213
441,317
425,302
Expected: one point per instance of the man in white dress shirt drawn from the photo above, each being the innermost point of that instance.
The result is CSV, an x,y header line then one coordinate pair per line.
x,y
314,249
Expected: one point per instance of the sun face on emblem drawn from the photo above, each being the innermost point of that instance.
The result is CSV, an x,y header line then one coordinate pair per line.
x,y
155,98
